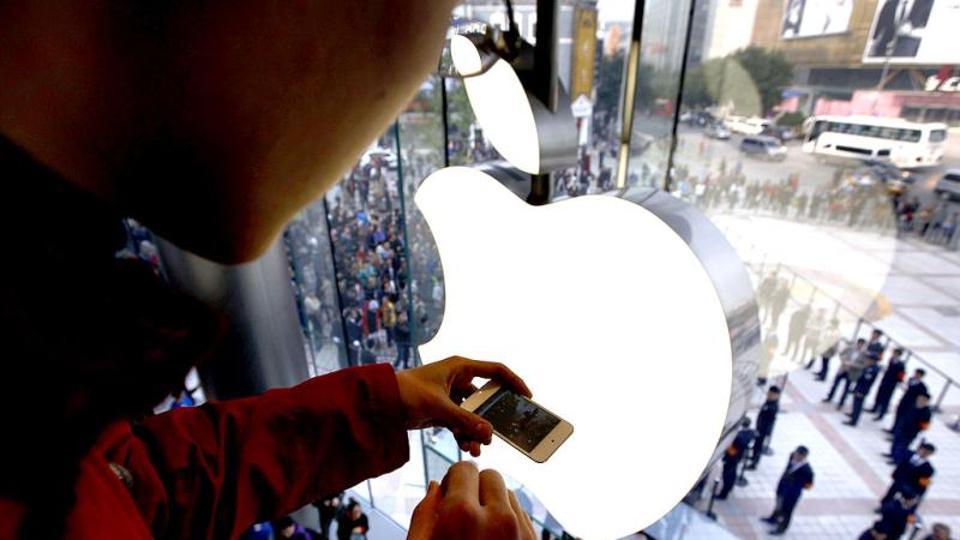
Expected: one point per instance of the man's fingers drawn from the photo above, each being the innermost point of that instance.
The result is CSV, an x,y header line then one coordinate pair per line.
x,y
493,490
467,425
525,524
462,480
425,514
493,370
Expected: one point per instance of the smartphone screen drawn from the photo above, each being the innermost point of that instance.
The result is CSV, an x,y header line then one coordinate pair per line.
x,y
518,419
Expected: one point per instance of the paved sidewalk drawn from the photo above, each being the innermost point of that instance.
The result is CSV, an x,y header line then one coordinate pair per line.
x,y
920,300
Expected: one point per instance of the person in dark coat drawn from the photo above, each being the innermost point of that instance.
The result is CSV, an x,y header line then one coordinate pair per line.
x,y
328,507
913,423
352,524
915,387
875,345
734,455
913,473
286,528
892,376
862,387
897,514
766,419
797,477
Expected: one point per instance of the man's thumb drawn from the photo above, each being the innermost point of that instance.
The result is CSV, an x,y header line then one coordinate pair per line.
x,y
470,425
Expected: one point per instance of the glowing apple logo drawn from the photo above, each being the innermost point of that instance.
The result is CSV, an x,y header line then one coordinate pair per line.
x,y
616,325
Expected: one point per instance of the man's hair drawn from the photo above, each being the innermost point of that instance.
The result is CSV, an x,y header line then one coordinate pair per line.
x,y
921,372
803,450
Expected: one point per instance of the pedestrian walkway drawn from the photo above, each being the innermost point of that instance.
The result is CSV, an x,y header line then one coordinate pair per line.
x,y
917,304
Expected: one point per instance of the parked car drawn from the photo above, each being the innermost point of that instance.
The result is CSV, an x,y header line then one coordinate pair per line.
x,y
746,126
782,133
717,131
763,147
949,185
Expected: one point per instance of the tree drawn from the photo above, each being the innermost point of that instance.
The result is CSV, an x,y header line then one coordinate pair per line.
x,y
770,72
610,84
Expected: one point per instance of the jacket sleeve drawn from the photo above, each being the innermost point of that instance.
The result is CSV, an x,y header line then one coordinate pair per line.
x,y
227,465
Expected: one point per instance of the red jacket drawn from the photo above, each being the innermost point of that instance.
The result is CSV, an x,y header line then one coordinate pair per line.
x,y
212,471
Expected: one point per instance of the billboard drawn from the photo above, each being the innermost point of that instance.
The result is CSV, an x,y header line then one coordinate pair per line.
x,y
812,18
585,52
914,32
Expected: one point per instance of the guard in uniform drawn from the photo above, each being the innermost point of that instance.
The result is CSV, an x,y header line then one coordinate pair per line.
x,y
766,419
734,455
913,473
864,383
797,477
915,387
913,423
897,514
892,376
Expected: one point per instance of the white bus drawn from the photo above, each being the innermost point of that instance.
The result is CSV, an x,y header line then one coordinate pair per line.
x,y
907,145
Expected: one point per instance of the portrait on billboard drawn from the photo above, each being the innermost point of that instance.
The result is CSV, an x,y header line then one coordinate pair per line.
x,y
811,18
899,28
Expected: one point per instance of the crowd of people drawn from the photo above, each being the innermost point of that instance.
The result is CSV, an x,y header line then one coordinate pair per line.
x,y
861,370
351,523
377,319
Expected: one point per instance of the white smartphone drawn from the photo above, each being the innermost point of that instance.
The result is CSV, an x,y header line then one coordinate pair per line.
x,y
523,424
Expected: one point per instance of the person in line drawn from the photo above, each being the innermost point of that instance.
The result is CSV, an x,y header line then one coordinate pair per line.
x,y
734,455
892,376
766,419
832,340
914,421
914,473
797,477
875,345
897,514
814,333
849,370
862,387
352,524
328,507
795,332
213,125
286,528
779,302
915,387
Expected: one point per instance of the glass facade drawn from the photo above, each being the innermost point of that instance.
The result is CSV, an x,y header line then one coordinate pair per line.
x,y
710,76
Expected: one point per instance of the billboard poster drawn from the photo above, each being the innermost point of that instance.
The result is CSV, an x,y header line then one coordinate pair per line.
x,y
812,18
914,32
585,53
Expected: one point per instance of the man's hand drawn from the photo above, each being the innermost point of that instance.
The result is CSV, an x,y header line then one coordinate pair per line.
x,y
470,505
432,395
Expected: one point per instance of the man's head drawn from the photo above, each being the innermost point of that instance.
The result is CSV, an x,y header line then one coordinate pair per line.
x,y
234,114
875,335
872,359
919,373
941,531
926,450
898,352
773,393
353,510
745,423
861,343
285,527
800,454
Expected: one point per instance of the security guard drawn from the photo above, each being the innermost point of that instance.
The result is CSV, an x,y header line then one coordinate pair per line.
x,y
913,473
766,418
894,374
735,453
897,514
864,383
797,477
913,423
915,387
